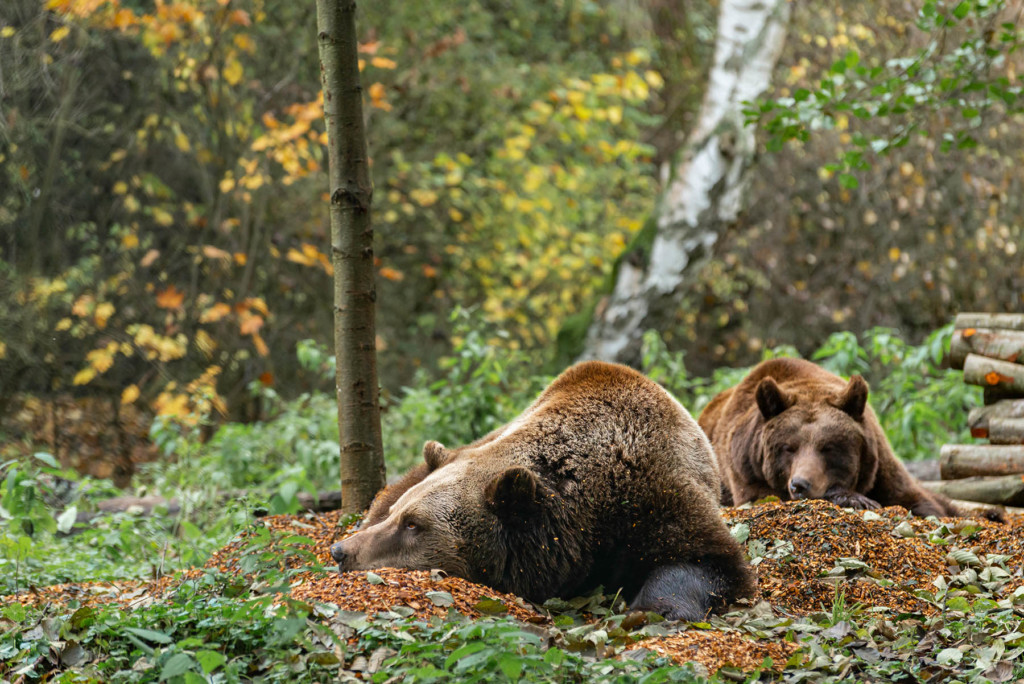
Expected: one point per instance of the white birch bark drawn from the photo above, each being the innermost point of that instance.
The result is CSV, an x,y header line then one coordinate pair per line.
x,y
706,188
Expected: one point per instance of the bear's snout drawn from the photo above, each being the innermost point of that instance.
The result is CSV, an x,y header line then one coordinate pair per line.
x,y
798,488
338,553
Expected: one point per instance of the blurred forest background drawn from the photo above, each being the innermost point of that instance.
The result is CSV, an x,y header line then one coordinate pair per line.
x,y
164,229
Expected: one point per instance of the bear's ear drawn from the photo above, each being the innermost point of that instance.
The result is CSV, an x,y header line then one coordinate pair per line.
x,y
435,455
513,494
853,398
771,399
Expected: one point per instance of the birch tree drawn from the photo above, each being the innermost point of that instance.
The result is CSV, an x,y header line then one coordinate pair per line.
x,y
362,459
705,191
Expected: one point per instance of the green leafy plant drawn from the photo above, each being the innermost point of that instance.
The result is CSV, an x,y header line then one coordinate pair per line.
x,y
482,386
961,70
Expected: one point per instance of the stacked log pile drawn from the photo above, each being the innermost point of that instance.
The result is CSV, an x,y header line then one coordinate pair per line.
x,y
989,348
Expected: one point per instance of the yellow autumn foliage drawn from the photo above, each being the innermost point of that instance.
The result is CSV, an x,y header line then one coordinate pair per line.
x,y
130,394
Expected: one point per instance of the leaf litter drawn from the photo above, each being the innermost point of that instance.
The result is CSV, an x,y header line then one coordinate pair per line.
x,y
820,569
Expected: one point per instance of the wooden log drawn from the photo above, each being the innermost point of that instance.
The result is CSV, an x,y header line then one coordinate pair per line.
x,y
1007,490
978,460
992,373
1005,345
981,510
979,418
988,320
1006,431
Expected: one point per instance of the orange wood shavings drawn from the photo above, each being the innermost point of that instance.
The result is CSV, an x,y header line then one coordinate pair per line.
x,y
822,534
716,649
415,589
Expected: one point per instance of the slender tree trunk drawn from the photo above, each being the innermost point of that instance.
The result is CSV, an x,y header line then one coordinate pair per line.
x,y
706,190
362,459
46,242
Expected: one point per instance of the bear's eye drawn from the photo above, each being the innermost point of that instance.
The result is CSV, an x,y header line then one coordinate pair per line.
x,y
411,525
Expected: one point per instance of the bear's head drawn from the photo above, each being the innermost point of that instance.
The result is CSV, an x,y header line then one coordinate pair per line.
x,y
463,518
814,441
435,455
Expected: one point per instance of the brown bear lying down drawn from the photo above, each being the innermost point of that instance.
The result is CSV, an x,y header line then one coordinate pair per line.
x,y
604,480
793,430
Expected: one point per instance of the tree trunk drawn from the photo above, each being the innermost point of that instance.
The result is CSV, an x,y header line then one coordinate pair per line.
x,y
994,374
980,418
1007,490
985,320
1005,345
705,193
974,460
46,240
362,458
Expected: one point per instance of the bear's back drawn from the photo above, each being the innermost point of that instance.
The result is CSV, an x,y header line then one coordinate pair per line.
x,y
600,420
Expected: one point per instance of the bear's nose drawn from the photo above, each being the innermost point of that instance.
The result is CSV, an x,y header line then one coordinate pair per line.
x,y
338,553
798,487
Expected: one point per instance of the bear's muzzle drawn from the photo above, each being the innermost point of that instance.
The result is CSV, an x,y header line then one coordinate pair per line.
x,y
798,488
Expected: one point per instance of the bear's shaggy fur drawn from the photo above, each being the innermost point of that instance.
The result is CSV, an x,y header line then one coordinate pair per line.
x,y
604,480
793,430
434,456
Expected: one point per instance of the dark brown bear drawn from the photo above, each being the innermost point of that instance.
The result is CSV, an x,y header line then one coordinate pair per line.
x,y
793,430
604,480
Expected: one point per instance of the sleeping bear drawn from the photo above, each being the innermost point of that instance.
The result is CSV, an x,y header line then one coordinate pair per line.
x,y
604,480
793,430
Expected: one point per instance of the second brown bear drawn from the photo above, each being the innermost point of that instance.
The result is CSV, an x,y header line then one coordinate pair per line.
x,y
793,430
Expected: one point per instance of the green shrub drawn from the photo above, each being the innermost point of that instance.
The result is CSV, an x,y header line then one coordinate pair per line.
x,y
482,386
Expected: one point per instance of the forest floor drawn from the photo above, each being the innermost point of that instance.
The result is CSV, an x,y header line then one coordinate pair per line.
x,y
879,588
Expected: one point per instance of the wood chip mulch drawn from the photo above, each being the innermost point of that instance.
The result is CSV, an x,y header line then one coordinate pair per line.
x,y
822,534
716,649
794,579
352,591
